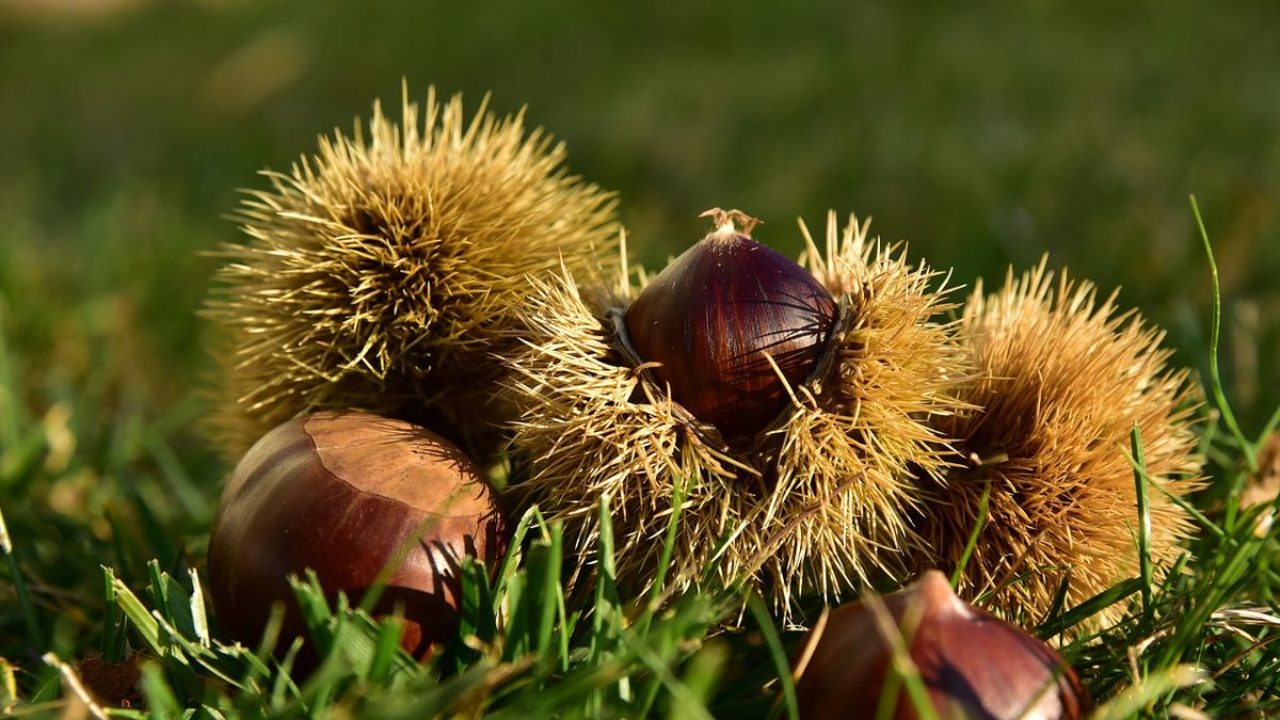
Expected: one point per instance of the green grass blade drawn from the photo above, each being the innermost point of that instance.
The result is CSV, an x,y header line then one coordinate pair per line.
x,y
1059,598
20,586
606,622
139,616
533,598
271,633
114,625
180,482
777,654
606,613
681,697
1181,502
477,619
8,686
972,542
902,670
552,590
284,691
1135,701
681,490
1219,396
162,703
512,560
1089,608
517,625
385,653
702,674
1144,522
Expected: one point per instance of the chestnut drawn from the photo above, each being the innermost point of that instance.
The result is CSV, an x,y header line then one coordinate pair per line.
x,y
972,664
345,494
714,317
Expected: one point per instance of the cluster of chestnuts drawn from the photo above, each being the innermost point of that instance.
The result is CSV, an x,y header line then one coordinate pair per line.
x,y
411,307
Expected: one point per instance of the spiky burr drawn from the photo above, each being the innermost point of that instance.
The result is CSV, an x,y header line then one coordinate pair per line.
x,y
385,272
818,500
1064,378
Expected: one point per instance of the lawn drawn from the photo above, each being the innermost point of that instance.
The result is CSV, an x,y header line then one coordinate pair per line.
x,y
984,139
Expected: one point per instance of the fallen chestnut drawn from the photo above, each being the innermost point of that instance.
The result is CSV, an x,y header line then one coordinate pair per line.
x,y
709,319
973,665
344,494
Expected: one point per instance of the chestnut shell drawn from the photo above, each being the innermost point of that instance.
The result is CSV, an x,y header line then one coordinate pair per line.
x,y
973,664
341,494
710,317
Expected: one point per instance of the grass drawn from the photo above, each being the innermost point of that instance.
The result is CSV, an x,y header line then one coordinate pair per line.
x,y
983,139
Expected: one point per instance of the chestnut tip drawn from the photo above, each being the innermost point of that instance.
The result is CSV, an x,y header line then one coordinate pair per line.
x,y
731,222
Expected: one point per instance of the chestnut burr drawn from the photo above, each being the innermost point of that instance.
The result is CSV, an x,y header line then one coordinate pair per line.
x,y
785,410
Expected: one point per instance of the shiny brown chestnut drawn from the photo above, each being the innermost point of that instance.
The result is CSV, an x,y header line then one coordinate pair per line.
x,y
345,494
711,317
973,665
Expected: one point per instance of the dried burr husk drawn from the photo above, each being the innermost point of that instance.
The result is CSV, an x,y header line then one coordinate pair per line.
x,y
818,503
352,496
384,271
971,664
1063,380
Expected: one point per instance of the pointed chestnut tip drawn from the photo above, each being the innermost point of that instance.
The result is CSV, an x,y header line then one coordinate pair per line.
x,y
731,222
934,591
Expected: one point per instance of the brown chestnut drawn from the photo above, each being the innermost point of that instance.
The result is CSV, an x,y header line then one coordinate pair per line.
x,y
972,664
343,494
709,319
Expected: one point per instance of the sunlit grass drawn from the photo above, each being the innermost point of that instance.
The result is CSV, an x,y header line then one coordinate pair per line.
x,y
1200,637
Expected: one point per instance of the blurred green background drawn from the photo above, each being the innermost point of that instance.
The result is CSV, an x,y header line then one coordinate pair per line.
x,y
983,137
